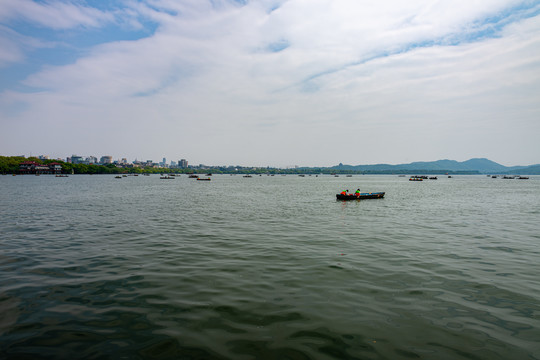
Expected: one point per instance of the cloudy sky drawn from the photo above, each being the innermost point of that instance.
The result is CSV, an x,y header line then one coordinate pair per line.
x,y
272,82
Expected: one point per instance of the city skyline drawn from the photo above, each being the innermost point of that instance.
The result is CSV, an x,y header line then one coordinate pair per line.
x,y
184,163
272,82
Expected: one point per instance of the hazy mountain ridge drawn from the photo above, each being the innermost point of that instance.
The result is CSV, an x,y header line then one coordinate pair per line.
x,y
475,165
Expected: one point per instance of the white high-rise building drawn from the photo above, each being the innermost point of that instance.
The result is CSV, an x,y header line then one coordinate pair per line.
x,y
107,159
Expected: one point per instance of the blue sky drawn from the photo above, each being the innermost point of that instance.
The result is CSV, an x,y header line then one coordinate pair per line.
x,y
272,82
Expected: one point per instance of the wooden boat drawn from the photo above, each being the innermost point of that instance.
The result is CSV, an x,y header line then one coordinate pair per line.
x,y
416,179
166,177
193,176
375,195
204,179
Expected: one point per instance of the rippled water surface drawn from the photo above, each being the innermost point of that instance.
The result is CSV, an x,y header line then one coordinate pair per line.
x,y
269,268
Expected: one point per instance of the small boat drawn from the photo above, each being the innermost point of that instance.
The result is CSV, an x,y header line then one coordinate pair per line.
x,y
117,177
204,179
523,178
362,196
167,177
247,176
432,178
193,176
416,179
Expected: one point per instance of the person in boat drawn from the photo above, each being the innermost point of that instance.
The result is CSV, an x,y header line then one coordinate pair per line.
x,y
345,192
357,192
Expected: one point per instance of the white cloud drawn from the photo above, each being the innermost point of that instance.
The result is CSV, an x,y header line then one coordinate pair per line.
x,y
15,46
341,68
53,14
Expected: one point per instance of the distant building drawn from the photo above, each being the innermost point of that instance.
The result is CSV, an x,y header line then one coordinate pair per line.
x,y
183,164
43,157
91,160
56,168
77,159
105,160
32,167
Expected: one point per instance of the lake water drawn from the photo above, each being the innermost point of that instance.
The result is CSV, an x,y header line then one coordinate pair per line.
x,y
269,267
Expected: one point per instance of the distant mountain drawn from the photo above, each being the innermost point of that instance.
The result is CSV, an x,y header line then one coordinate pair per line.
x,y
472,166
529,170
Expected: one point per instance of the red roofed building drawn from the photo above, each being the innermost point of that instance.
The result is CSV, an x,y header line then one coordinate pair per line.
x,y
32,167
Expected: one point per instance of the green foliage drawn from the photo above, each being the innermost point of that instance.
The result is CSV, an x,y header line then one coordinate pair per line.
x,y
10,164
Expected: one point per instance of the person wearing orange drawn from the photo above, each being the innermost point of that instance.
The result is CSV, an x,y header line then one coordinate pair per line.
x,y
345,192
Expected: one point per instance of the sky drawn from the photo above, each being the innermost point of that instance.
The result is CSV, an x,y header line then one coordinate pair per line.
x,y
271,82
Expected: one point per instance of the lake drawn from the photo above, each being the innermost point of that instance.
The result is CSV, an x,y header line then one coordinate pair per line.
x,y
269,267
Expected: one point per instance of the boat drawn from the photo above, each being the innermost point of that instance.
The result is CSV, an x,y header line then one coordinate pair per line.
x,y
247,176
204,179
416,179
118,177
167,177
362,196
193,176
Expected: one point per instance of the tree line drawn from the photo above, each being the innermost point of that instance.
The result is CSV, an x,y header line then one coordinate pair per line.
x,y
10,165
